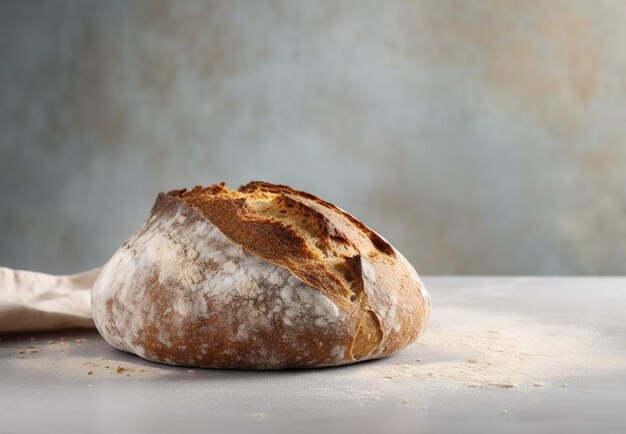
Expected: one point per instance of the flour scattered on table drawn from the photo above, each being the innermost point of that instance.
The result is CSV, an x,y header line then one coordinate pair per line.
x,y
95,367
497,350
65,360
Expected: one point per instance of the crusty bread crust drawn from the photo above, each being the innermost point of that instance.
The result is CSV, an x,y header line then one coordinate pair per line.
x,y
364,299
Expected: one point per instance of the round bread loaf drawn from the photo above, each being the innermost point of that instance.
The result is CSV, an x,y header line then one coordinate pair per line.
x,y
263,277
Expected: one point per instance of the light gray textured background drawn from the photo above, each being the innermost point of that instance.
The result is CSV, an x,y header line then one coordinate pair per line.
x,y
484,137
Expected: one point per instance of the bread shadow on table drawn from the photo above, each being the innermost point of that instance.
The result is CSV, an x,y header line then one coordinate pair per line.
x,y
83,352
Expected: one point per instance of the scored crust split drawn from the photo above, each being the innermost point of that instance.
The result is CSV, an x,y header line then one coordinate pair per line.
x,y
263,277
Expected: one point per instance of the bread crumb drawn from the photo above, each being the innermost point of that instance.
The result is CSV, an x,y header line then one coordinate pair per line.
x,y
33,350
191,371
50,342
505,412
21,352
471,360
259,415
66,365
120,369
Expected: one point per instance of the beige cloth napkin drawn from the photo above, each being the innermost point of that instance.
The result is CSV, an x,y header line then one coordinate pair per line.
x,y
31,301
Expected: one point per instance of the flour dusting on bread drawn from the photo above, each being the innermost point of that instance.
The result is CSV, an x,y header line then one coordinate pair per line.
x,y
265,277
204,276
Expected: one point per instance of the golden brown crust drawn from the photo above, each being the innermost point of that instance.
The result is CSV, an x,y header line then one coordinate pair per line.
x,y
325,247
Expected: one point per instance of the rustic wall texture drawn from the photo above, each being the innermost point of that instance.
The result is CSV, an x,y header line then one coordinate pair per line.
x,y
484,137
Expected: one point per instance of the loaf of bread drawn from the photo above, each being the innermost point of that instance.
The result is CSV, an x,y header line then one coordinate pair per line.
x,y
263,277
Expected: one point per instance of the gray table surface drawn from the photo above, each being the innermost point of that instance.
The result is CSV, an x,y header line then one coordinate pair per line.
x,y
73,386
